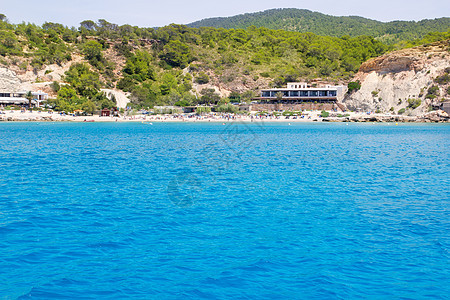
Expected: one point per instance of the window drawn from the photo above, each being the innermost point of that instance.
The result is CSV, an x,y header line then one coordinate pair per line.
x,y
293,93
322,93
313,93
303,94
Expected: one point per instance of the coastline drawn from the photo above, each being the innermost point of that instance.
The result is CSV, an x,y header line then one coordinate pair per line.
x,y
311,116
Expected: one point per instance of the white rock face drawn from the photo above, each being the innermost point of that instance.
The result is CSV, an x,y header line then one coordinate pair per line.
x,y
13,79
121,98
197,88
9,82
390,80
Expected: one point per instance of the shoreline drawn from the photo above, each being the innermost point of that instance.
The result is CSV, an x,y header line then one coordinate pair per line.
x,y
309,117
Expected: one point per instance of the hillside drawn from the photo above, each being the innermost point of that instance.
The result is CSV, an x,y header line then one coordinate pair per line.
x,y
173,63
102,64
302,20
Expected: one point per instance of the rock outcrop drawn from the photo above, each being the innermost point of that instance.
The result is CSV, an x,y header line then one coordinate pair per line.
x,y
119,96
9,81
431,117
389,81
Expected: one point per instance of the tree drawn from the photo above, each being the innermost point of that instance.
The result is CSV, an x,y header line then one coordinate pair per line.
x,y
55,26
83,80
202,78
139,66
89,107
8,39
88,24
93,52
177,54
183,103
279,96
247,96
209,96
107,26
29,97
67,93
126,84
235,96
3,18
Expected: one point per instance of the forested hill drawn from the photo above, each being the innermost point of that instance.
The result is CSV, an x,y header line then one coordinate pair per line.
x,y
302,20
175,64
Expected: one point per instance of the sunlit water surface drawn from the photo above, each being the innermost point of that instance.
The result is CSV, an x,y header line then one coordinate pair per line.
x,y
253,211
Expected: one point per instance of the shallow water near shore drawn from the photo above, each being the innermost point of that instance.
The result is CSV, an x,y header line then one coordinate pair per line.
x,y
186,210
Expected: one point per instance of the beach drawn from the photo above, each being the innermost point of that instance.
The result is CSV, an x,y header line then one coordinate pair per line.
x,y
308,116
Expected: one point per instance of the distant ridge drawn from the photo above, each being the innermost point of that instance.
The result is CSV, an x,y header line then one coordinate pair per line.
x,y
303,20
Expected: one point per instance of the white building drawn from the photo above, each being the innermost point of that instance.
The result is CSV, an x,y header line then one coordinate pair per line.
x,y
302,92
19,98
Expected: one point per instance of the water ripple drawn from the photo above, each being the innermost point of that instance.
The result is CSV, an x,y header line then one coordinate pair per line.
x,y
275,211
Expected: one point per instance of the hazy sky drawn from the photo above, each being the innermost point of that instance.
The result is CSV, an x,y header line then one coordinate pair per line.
x,y
159,13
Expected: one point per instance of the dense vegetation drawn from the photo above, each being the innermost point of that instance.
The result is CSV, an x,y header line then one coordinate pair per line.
x,y
302,20
161,66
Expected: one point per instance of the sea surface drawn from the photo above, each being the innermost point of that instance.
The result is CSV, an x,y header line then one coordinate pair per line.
x,y
236,211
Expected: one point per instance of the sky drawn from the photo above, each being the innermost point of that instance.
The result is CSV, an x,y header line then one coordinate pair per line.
x,y
152,13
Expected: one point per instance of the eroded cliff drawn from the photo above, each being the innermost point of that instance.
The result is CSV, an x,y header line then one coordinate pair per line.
x,y
401,80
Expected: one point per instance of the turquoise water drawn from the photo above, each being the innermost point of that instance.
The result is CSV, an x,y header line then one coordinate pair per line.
x,y
206,211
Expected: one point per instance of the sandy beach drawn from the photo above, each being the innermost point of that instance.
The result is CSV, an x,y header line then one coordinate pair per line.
x,y
309,116
15,115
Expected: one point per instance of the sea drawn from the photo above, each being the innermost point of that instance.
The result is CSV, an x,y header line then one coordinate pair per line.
x,y
224,211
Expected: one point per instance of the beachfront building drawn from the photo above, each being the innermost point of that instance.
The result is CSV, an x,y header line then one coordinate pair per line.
x,y
445,106
299,92
20,98
299,96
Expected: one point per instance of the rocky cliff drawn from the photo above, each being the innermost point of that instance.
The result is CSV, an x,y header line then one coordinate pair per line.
x,y
16,79
402,80
9,81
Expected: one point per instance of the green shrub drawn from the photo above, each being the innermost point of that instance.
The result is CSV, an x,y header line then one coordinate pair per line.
x,y
202,110
324,114
202,78
433,92
401,111
414,103
354,86
182,103
444,79
126,84
228,108
55,86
